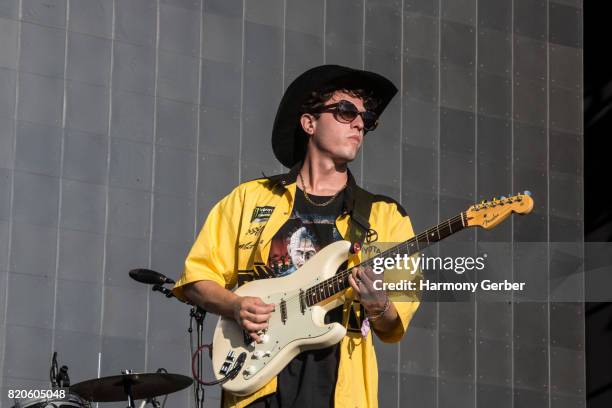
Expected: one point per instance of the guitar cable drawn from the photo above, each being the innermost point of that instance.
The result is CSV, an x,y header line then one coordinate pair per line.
x,y
231,374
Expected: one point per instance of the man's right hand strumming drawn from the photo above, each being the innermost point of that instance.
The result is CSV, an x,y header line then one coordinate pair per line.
x,y
251,313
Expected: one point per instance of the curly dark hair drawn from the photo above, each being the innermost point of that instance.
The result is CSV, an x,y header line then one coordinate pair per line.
x,y
318,98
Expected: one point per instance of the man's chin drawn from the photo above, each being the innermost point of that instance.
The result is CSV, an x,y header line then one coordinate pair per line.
x,y
346,157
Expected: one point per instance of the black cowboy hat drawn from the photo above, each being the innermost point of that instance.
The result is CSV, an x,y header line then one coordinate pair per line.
x,y
288,139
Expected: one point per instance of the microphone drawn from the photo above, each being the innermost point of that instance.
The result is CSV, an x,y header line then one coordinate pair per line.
x,y
149,277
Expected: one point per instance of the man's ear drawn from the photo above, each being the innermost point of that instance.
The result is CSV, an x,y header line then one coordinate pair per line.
x,y
309,123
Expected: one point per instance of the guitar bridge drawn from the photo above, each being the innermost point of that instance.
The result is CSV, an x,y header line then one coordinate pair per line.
x,y
283,310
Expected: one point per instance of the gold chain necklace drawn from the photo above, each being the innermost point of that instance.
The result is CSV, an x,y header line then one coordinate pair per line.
x,y
318,204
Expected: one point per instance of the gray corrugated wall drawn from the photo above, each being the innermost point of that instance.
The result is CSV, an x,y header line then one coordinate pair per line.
x,y
124,121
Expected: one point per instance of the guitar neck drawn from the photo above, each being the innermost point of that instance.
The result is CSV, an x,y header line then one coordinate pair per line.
x,y
339,282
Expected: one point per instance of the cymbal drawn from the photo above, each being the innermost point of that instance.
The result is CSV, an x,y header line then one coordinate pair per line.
x,y
147,385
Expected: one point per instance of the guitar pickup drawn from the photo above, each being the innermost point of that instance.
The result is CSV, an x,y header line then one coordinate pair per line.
x,y
283,310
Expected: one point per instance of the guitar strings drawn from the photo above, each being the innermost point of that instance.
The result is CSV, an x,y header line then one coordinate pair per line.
x,y
341,276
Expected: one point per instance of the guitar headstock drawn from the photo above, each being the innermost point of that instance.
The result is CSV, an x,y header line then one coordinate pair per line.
x,y
488,214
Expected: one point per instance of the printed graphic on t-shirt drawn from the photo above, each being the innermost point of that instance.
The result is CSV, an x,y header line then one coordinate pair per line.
x,y
299,239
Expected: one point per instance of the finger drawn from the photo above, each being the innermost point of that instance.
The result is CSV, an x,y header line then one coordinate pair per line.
x,y
353,284
255,337
260,309
253,317
253,327
369,272
365,278
260,303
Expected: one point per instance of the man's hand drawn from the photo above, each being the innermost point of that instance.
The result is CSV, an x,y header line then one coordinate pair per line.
x,y
361,280
252,314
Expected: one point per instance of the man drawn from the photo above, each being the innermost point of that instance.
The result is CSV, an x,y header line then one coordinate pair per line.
x,y
319,128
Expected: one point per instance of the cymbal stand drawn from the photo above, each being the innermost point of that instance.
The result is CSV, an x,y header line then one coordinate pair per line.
x,y
127,387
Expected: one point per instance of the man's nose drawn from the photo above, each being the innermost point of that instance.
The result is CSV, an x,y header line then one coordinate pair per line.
x,y
358,123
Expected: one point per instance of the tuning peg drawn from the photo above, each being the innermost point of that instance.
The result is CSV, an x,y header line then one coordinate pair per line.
x,y
527,193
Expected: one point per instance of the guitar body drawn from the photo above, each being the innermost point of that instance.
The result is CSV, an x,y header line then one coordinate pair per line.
x,y
290,331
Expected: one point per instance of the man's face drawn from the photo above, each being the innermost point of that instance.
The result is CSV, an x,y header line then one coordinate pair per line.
x,y
339,141
302,252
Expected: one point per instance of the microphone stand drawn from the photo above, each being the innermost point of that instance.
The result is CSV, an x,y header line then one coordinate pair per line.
x,y
167,292
198,314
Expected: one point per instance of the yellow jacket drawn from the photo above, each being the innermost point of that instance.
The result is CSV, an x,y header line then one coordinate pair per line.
x,y
235,241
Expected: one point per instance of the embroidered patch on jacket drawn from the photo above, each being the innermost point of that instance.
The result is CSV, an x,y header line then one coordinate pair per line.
x,y
261,214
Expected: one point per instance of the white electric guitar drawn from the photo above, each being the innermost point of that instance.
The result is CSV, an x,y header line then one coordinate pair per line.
x,y
303,298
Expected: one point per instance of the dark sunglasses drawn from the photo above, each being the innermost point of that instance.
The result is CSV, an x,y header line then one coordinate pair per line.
x,y
346,112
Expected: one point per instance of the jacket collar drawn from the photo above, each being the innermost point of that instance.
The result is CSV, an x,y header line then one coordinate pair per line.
x,y
285,179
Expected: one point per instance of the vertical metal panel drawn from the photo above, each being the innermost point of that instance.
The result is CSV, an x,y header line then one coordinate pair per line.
x,y
32,249
92,17
136,21
21,310
40,99
461,11
496,15
179,29
565,25
128,213
81,256
177,77
530,18
130,165
173,219
133,67
122,255
125,311
27,351
176,124
88,59
85,156
87,107
219,131
51,12
42,50
83,206
35,199
38,149
175,171
494,51
78,307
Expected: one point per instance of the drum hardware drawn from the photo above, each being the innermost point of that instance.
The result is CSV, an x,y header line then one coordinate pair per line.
x,y
58,378
130,386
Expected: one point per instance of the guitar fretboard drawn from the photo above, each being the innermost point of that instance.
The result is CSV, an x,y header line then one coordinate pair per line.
x,y
339,282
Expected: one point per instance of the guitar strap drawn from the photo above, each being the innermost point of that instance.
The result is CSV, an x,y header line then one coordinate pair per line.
x,y
359,224
359,227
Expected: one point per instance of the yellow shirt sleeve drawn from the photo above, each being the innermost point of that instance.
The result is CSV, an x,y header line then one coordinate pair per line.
x,y
213,255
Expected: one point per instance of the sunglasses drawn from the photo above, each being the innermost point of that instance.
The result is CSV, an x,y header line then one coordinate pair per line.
x,y
346,112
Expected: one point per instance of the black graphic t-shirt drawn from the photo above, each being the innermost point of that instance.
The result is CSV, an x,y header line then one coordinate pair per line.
x,y
309,380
